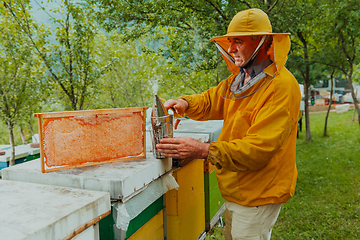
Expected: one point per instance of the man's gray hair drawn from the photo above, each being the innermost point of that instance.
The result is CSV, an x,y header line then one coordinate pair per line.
x,y
268,42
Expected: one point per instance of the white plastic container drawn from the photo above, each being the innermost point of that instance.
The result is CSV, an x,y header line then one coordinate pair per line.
x,y
342,108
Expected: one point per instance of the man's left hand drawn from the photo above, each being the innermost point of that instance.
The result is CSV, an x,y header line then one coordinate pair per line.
x,y
184,148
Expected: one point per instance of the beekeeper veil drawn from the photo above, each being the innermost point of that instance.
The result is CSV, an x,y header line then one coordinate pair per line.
x,y
252,22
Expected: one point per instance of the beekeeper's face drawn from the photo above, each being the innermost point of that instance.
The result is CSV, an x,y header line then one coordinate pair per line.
x,y
242,48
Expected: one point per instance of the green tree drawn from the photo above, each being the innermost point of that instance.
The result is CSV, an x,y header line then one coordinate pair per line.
x,y
71,63
300,19
183,28
136,73
325,134
20,71
129,77
341,40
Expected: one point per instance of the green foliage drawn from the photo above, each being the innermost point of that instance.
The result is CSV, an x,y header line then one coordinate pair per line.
x,y
136,73
343,40
163,46
20,71
71,62
300,18
342,36
129,77
356,77
183,28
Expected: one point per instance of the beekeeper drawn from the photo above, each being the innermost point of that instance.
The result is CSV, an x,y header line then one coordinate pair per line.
x,y
259,103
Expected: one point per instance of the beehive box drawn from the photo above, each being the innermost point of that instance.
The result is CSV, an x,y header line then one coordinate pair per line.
x,y
20,156
34,152
185,207
137,184
214,202
153,229
148,228
82,138
50,212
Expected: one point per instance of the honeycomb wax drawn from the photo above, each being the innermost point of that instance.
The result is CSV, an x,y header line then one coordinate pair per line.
x,y
72,141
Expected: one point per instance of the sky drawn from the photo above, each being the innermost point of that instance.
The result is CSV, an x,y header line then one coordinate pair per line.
x,y
40,15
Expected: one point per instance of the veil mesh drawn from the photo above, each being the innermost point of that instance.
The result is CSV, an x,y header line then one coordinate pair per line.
x,y
229,91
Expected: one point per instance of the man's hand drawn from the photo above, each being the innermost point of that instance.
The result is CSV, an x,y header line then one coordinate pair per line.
x,y
184,148
179,106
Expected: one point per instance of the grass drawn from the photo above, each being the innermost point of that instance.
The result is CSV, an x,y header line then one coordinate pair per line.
x,y
216,233
326,204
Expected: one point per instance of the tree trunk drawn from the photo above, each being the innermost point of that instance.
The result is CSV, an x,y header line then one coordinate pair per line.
x,y
31,128
330,102
307,115
306,77
22,134
353,95
10,126
353,118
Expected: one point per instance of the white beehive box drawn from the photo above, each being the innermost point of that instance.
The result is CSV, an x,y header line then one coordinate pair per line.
x,y
35,211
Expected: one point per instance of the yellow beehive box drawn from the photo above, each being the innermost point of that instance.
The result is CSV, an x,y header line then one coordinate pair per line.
x,y
82,138
185,207
153,229
189,225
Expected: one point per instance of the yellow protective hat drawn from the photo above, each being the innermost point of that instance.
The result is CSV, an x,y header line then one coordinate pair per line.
x,y
247,23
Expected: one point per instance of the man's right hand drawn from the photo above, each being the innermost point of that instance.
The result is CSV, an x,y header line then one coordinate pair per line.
x,y
179,106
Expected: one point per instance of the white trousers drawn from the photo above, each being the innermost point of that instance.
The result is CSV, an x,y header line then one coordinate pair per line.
x,y
250,223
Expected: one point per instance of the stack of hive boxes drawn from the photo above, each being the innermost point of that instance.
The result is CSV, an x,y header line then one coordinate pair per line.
x,y
22,153
213,201
136,186
135,183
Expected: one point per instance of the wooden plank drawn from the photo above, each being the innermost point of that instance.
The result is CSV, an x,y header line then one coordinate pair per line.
x,y
208,167
89,112
49,212
93,163
190,224
144,131
41,145
86,225
191,186
186,206
214,202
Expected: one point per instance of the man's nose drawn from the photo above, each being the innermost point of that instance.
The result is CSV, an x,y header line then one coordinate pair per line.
x,y
232,48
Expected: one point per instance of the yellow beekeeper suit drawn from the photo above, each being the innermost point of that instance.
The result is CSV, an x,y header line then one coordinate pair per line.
x,y
255,152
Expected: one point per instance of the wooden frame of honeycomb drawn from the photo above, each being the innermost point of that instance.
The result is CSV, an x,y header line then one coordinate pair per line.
x,y
83,138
